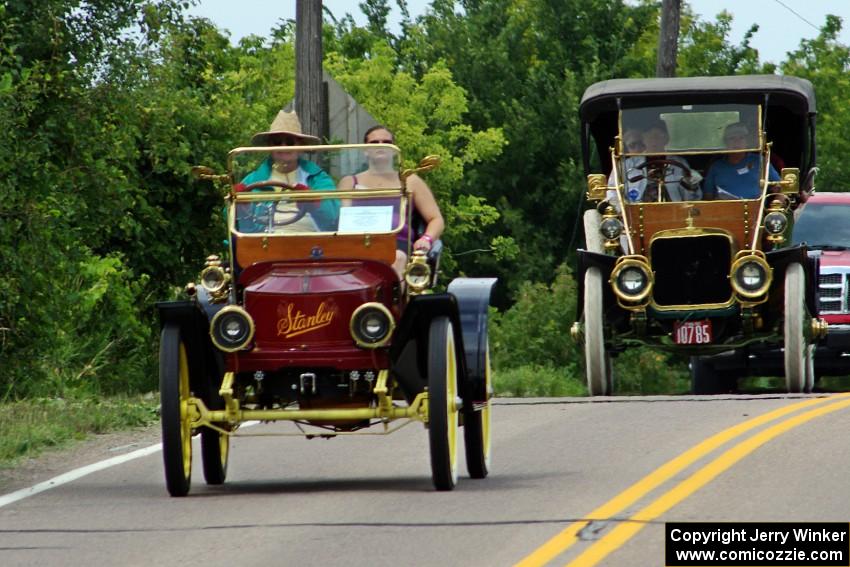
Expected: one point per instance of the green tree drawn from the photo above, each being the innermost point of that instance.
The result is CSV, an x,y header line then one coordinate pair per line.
x,y
524,66
62,184
427,116
826,63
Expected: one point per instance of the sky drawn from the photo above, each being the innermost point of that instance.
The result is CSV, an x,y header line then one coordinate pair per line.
x,y
782,23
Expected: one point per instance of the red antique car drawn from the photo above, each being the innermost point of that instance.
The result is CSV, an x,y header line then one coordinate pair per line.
x,y
306,320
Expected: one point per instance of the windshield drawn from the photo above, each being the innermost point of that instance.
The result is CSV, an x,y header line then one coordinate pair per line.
x,y
690,152
690,128
822,226
293,190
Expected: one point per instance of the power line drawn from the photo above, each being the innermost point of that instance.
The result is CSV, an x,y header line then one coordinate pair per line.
x,y
787,7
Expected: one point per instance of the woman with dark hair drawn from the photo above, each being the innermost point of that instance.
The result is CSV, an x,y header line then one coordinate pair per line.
x,y
382,172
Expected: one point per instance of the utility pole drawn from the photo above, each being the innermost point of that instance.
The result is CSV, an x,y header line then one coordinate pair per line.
x,y
668,38
309,89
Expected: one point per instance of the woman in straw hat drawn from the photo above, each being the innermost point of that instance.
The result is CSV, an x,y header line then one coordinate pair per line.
x,y
292,168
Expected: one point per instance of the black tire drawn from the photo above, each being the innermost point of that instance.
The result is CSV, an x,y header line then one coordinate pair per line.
x,y
176,428
476,430
442,404
706,381
215,450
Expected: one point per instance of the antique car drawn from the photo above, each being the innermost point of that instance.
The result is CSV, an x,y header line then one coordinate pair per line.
x,y
305,320
674,258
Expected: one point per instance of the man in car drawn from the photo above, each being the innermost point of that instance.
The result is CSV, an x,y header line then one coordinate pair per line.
x,y
737,175
646,175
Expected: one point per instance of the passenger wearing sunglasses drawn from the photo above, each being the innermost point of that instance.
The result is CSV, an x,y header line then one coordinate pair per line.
x,y
293,169
737,175
383,173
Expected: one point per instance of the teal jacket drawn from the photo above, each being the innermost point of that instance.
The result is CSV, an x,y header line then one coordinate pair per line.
x,y
325,214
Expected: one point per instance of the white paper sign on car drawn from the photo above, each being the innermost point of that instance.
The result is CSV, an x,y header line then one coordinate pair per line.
x,y
369,219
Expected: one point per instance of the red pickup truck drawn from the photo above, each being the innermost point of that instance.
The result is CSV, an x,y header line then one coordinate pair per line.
x,y
823,224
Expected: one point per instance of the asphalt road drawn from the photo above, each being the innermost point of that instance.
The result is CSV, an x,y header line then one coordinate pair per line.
x,y
573,481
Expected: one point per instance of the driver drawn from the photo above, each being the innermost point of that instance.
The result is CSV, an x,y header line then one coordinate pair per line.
x,y
647,175
291,168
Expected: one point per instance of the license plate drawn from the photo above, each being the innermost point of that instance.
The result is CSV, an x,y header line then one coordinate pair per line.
x,y
692,332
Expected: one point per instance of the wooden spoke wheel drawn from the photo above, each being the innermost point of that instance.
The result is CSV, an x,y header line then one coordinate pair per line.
x,y
797,352
600,377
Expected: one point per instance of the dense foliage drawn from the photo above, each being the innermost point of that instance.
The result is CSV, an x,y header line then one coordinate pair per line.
x,y
106,104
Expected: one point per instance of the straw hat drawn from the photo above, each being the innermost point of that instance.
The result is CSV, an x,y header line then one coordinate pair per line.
x,y
284,123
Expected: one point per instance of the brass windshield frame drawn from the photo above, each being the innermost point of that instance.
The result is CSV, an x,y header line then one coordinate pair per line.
x,y
325,149
359,194
235,198
758,148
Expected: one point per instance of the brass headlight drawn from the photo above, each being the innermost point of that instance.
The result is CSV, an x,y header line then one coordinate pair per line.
x,y
232,329
418,274
751,276
632,280
214,279
611,228
371,325
775,222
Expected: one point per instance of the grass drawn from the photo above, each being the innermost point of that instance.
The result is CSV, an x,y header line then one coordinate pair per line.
x,y
30,427
535,381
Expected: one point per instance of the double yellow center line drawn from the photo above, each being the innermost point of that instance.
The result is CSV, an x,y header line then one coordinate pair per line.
x,y
624,531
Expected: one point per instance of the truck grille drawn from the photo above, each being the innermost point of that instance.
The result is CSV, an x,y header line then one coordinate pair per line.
x,y
691,270
833,291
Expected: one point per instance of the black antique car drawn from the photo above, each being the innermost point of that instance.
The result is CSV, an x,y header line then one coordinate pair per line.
x,y
305,320
694,182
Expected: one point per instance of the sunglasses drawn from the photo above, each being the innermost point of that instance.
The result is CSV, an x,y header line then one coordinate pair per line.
x,y
379,142
283,141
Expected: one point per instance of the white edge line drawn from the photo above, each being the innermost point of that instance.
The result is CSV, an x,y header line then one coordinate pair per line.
x,y
75,474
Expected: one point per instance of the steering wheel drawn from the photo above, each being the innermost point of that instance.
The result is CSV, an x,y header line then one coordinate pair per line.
x,y
282,213
656,173
659,165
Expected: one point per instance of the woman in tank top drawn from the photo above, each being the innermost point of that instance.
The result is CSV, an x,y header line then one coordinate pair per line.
x,y
382,173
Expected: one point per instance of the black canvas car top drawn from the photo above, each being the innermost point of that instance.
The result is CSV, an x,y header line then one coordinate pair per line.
x,y
793,93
